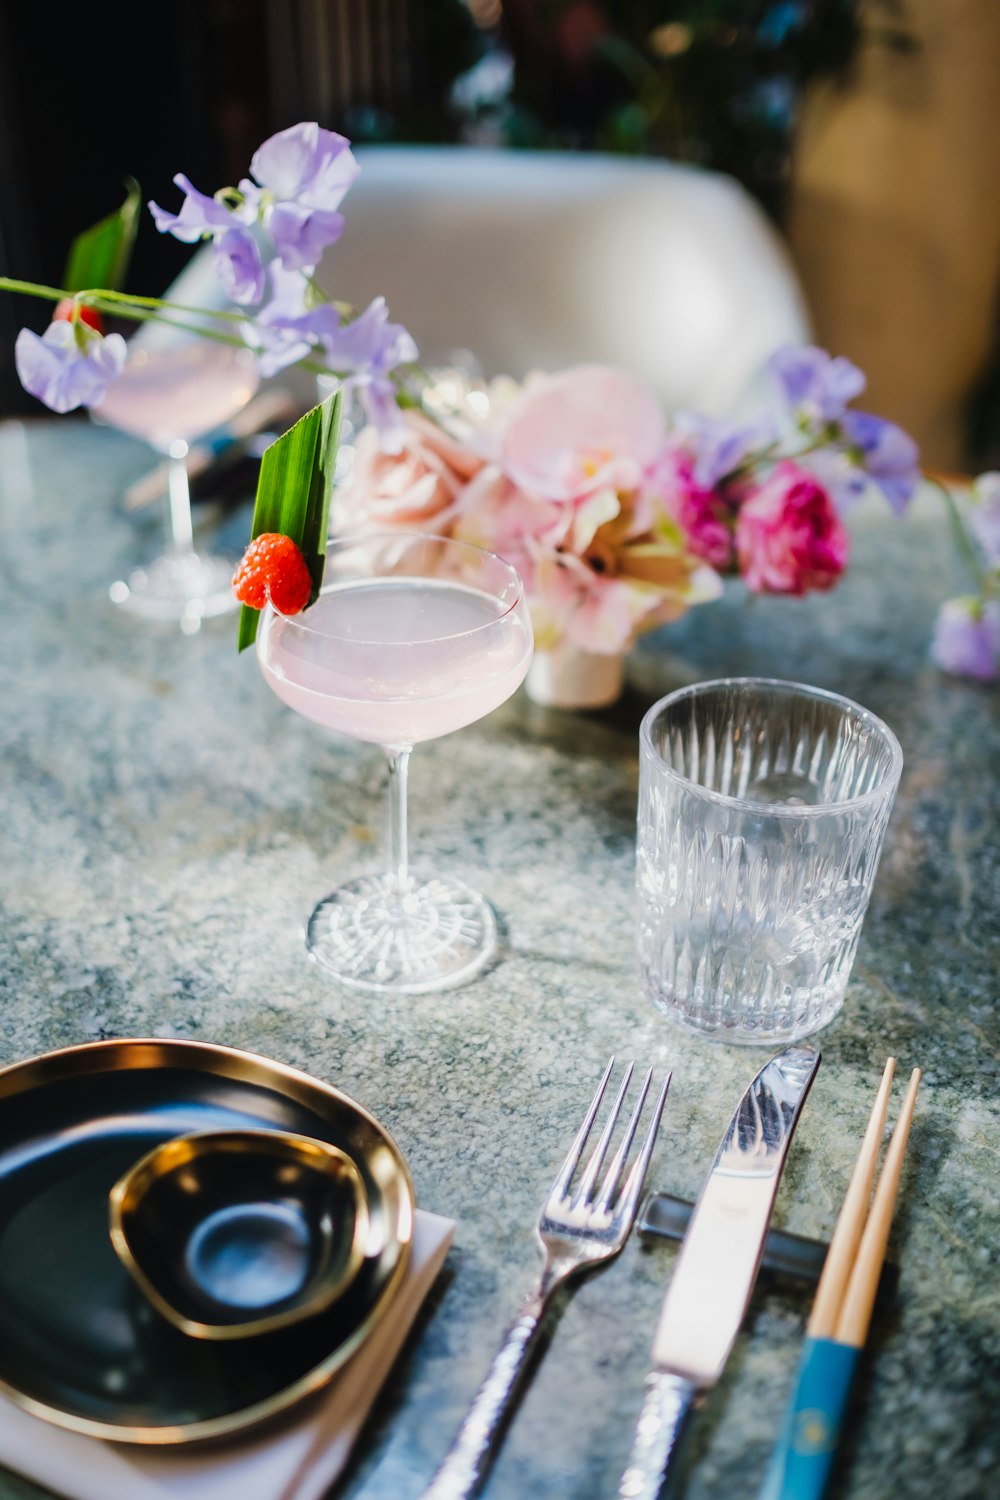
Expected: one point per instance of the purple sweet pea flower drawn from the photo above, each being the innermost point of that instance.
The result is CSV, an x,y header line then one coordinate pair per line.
x,y
984,516
70,365
818,386
199,215
378,398
304,173
967,639
238,265
302,234
368,343
369,348
887,454
717,447
306,165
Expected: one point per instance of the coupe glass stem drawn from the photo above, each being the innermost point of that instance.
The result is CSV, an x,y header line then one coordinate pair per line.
x,y
179,491
399,762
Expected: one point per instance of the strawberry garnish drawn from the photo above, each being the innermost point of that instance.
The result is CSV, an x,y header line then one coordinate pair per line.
x,y
274,569
89,315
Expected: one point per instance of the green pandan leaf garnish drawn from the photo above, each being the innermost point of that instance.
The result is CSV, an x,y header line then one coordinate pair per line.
x,y
100,255
293,494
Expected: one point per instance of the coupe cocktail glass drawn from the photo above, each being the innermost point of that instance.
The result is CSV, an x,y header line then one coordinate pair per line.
x,y
169,396
412,637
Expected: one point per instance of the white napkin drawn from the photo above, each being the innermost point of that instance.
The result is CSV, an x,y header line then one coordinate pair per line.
x,y
297,1460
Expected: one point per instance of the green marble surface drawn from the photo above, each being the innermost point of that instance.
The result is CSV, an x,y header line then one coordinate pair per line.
x,y
168,824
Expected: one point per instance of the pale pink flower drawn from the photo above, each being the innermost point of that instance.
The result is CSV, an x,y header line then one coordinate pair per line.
x,y
789,538
418,487
588,428
604,612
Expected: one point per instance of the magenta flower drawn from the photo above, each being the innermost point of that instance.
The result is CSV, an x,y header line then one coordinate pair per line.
x,y
815,384
71,365
967,638
588,428
789,538
697,509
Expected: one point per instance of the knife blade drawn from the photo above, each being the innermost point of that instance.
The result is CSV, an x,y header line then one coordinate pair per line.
x,y
717,1264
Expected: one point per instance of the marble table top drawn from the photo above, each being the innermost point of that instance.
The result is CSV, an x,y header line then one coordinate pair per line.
x,y
168,824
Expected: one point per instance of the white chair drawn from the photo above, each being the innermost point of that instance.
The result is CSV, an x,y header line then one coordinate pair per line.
x,y
541,260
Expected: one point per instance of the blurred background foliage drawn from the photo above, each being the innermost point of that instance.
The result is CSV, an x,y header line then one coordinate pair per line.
x,y
712,82
723,84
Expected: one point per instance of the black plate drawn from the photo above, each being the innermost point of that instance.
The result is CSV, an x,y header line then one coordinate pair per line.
x,y
79,1344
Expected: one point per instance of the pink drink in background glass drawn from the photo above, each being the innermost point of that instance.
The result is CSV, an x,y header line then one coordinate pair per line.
x,y
168,395
411,637
177,394
397,661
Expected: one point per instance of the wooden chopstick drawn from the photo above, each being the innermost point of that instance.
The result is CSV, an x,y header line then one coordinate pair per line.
x,y
851,1220
859,1296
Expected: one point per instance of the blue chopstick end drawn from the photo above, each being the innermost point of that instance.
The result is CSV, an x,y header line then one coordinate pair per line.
x,y
803,1457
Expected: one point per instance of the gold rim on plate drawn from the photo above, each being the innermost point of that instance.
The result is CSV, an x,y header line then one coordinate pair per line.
x,y
381,1162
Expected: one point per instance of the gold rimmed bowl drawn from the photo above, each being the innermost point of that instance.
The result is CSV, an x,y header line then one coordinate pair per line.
x,y
236,1233
81,1345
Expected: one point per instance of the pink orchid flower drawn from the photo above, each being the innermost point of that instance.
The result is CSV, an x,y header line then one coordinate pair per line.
x,y
585,429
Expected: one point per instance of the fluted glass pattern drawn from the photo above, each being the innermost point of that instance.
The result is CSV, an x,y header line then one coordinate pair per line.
x,y
762,810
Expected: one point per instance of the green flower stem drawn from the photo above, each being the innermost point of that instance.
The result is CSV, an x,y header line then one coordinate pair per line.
x,y
32,288
983,579
154,310
129,304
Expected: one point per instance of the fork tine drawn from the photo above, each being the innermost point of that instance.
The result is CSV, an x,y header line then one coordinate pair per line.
x,y
614,1172
593,1166
637,1176
576,1150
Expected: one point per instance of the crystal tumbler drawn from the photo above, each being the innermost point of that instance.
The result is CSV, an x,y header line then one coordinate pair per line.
x,y
762,808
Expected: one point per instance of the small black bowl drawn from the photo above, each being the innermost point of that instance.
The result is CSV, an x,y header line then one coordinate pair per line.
x,y
233,1233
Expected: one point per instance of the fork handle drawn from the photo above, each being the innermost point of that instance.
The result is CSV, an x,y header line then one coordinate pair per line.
x,y
470,1456
669,1399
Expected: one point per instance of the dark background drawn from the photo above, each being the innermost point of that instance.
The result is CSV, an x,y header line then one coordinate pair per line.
x,y
196,85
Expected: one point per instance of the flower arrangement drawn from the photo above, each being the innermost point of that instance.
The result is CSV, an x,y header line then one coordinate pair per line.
x,y
617,520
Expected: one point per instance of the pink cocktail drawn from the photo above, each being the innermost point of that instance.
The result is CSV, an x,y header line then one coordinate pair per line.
x,y
412,638
169,395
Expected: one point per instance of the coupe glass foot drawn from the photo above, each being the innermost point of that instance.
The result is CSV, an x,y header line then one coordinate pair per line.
x,y
430,935
187,588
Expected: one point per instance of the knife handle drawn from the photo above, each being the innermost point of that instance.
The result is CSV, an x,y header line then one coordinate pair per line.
x,y
803,1456
669,1399
468,1461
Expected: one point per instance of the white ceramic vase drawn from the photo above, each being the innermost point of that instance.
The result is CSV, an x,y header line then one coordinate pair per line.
x,y
567,677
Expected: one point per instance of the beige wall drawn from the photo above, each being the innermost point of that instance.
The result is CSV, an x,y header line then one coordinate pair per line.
x,y
895,217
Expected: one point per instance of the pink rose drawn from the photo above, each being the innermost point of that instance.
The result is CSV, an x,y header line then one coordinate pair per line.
x,y
789,538
417,487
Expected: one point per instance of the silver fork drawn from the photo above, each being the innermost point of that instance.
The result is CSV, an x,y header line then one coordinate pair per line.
x,y
576,1232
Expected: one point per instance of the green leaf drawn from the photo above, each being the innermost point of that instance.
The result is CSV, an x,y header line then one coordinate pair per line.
x,y
99,256
293,494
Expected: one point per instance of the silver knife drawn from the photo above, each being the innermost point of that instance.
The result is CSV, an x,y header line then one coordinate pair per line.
x,y
717,1264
